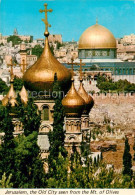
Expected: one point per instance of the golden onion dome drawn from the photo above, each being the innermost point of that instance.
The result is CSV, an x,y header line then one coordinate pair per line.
x,y
40,76
97,37
10,98
73,103
89,102
23,95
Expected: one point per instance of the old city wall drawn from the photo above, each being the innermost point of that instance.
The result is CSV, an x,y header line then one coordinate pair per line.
x,y
116,98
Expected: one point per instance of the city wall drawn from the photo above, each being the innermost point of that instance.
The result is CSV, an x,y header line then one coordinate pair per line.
x,y
116,98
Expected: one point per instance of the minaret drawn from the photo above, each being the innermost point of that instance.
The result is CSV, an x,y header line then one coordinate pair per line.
x,y
73,105
23,55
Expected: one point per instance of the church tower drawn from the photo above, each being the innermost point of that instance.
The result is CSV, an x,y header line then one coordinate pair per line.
x,y
73,105
39,79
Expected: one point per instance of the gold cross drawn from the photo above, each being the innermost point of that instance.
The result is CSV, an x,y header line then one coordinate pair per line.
x,y
81,64
78,64
45,20
11,69
72,64
23,69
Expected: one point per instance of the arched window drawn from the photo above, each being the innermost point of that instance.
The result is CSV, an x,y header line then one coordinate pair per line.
x,y
45,113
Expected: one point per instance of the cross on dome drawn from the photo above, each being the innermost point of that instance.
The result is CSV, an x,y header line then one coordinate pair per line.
x,y
46,33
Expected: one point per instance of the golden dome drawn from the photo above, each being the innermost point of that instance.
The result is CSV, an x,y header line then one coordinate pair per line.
x,y
97,37
73,103
10,97
40,76
23,95
89,102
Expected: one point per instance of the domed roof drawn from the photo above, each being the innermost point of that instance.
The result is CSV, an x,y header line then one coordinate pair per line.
x,y
10,97
73,103
40,76
23,95
89,102
97,37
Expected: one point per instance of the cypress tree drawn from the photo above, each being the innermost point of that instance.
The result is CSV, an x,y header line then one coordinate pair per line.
x,y
30,172
29,116
127,160
57,136
7,148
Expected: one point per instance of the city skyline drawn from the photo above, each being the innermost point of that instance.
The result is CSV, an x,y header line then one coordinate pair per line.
x,y
69,18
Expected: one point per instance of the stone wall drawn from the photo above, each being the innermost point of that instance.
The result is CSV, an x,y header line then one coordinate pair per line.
x,y
119,108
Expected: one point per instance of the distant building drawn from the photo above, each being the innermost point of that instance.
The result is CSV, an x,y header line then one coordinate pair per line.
x,y
54,38
3,39
128,39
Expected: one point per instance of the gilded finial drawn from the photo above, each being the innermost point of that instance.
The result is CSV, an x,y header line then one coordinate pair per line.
x,y
11,70
97,20
46,33
81,64
23,66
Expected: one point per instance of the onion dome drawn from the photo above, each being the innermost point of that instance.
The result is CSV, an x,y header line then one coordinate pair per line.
x,y
73,103
24,95
89,102
97,37
40,76
10,98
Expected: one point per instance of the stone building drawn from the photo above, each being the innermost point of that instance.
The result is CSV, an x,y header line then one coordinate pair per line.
x,y
55,38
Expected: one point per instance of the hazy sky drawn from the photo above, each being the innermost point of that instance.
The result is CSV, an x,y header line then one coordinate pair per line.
x,y
69,17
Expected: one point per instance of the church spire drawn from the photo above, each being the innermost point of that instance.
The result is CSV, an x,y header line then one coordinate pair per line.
x,y
46,33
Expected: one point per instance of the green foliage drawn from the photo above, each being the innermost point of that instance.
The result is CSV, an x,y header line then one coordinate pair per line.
x,y
29,167
58,44
60,179
127,160
109,129
52,49
94,67
106,85
20,156
5,182
14,39
57,136
3,86
29,116
37,50
7,147
18,83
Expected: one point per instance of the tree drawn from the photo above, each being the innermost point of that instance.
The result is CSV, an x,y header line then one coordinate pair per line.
x,y
7,148
14,39
60,179
29,116
37,50
3,86
57,136
127,160
6,182
18,83
30,172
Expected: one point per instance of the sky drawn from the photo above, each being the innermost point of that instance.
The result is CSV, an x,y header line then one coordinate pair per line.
x,y
69,17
